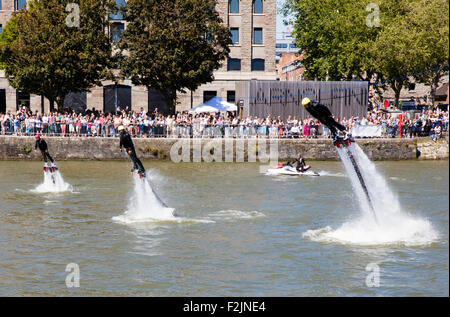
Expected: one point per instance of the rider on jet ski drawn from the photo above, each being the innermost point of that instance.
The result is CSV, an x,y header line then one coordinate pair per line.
x,y
324,115
301,164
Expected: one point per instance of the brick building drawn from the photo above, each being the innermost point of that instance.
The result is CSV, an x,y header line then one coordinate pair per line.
x,y
290,67
252,24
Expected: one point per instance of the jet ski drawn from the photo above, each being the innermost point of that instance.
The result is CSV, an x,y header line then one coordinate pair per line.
x,y
283,169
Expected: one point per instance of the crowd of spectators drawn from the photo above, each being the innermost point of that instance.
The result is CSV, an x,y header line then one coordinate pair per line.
x,y
94,123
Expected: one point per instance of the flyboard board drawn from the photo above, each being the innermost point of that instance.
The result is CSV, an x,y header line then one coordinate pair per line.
x,y
52,170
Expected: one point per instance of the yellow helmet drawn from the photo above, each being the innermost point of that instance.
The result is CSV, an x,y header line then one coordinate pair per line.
x,y
305,101
120,128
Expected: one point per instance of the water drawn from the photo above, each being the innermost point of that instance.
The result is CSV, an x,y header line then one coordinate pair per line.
x,y
228,230
53,183
145,205
382,220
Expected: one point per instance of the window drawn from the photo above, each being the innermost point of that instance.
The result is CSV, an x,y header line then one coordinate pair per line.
x,y
258,64
234,35
209,37
1,28
115,96
281,45
231,96
257,36
234,64
257,6
116,31
233,6
22,98
292,46
118,15
20,4
208,95
2,100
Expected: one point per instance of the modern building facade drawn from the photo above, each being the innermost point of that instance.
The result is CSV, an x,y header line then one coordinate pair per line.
x,y
252,24
285,43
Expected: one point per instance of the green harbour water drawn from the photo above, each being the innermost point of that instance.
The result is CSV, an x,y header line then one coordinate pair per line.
x,y
236,232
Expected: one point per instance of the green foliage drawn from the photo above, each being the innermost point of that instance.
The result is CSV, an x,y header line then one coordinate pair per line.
x,y
42,54
172,45
412,37
332,32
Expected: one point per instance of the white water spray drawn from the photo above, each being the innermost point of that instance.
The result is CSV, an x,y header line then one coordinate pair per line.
x,y
53,183
391,225
145,205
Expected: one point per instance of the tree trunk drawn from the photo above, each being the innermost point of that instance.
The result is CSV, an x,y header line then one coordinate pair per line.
x,y
52,104
170,98
397,86
434,85
42,104
60,102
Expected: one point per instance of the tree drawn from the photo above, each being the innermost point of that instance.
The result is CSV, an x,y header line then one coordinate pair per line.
x,y
432,21
44,51
411,43
412,37
172,45
333,34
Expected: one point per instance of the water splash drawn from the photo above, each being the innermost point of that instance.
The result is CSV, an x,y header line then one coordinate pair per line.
x,y
330,174
53,183
391,226
236,214
146,206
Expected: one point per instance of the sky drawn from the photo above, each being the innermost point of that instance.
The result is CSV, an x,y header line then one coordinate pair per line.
x,y
280,26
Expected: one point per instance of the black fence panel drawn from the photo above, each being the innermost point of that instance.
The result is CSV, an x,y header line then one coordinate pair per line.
x,y
278,98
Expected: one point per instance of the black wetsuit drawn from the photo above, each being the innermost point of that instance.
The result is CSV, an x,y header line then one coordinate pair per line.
x,y
324,115
127,143
300,164
44,149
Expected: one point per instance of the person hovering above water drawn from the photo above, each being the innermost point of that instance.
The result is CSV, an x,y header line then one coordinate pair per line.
x,y
324,115
127,143
44,149
301,164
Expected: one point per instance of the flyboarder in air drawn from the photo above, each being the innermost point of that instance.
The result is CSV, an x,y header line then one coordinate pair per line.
x,y
44,151
324,115
127,143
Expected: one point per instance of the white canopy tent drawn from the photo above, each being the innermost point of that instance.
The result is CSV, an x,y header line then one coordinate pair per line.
x,y
216,104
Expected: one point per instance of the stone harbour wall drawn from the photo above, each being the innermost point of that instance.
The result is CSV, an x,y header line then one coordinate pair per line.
x,y
22,148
